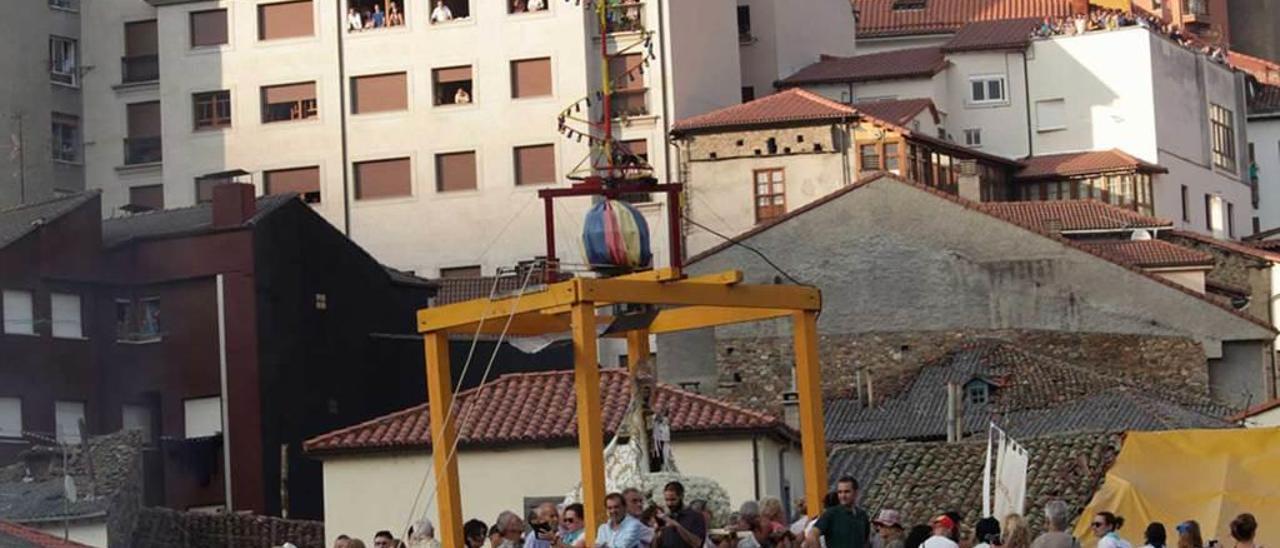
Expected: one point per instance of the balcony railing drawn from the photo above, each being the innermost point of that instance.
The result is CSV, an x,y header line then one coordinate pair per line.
x,y
140,68
626,17
142,150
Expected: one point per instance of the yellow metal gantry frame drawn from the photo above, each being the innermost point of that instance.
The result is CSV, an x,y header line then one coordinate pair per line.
x,y
684,303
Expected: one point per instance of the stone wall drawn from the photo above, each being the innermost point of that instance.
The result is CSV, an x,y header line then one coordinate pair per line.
x,y
160,527
755,372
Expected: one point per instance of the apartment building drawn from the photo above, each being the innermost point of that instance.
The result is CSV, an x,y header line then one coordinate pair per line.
x,y
426,138
40,108
1264,154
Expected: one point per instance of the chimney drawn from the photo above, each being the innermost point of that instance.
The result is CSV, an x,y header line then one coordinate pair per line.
x,y
791,409
233,204
968,181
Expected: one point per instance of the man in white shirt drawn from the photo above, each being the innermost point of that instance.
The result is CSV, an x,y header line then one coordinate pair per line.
x,y
943,527
622,530
441,13
353,19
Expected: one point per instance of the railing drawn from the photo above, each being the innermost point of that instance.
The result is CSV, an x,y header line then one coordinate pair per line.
x,y
142,150
1195,7
64,151
140,68
69,5
626,17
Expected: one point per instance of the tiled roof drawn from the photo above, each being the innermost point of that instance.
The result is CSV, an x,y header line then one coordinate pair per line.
x,y
904,63
540,408
1032,394
897,111
1083,163
1266,245
1256,410
1266,71
923,479
13,535
1149,253
1252,249
18,221
1000,34
1265,101
1072,215
877,18
116,460
792,105
181,221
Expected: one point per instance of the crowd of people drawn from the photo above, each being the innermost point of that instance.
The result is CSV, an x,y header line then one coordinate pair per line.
x,y
1105,19
375,18
634,523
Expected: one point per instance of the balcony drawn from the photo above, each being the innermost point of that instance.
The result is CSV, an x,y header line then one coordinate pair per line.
x,y
142,150
630,103
625,17
140,68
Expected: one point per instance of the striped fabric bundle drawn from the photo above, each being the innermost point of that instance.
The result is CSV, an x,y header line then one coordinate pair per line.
x,y
615,234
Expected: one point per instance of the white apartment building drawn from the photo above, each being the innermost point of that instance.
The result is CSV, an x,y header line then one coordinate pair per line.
x,y
998,90
1264,154
371,127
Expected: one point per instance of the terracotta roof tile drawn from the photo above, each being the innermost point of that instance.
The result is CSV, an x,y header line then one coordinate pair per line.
x,y
897,111
540,408
1072,215
1252,248
1149,253
793,105
1266,101
1257,409
1267,245
878,18
887,65
993,35
13,535
1266,71
1083,163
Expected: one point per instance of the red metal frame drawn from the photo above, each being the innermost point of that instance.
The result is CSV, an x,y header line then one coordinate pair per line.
x,y
596,186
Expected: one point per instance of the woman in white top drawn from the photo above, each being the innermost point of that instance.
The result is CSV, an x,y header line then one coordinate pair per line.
x,y
441,13
353,19
1104,526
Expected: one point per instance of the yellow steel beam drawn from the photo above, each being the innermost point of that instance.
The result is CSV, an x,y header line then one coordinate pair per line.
x,y
443,434
697,317
747,296
523,325
655,275
469,312
637,348
586,380
728,277
813,443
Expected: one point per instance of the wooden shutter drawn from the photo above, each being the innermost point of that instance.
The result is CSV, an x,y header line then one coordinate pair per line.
x,y
151,196
456,171
144,119
140,38
383,179
618,70
379,92
208,28
300,180
531,77
285,20
535,165
289,93
453,74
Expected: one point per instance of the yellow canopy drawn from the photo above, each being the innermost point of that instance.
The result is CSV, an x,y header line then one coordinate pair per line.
x,y
1205,475
1112,4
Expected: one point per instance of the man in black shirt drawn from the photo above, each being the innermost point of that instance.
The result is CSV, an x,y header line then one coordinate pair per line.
x,y
680,527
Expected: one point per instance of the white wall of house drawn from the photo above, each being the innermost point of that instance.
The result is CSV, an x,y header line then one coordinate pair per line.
x,y
1265,419
365,493
795,39
1264,133
92,532
1190,279
997,121
891,43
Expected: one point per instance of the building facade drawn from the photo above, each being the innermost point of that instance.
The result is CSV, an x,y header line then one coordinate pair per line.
x,y
1264,154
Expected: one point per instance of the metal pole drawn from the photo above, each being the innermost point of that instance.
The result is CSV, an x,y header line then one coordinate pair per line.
x,y
22,163
602,13
222,371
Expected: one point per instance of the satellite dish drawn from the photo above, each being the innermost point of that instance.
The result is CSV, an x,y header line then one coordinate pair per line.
x,y
1140,235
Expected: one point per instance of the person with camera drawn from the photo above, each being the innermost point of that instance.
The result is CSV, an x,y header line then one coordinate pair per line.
x,y
679,527
544,527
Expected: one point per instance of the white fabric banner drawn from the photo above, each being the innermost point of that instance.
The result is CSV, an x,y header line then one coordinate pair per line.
x,y
1011,478
986,472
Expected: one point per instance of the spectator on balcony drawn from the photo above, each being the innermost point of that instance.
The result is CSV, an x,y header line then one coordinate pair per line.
x,y
354,22
461,97
519,6
441,13
394,17
537,5
379,18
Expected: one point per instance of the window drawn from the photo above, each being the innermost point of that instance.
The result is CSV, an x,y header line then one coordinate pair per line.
x,y
452,85
141,61
285,20
625,17
212,109
748,94
1051,114
1222,123
143,143
531,78
303,180
63,64
383,179
67,416
1213,211
770,193
635,149
137,417
891,157
202,417
10,418
147,197
66,137
205,184
456,171
870,157
19,317
630,96
973,137
208,28
986,89
460,272
1186,204
138,320
375,14
526,6
449,10
744,24
1231,220
535,165
65,310
978,393
379,93
287,102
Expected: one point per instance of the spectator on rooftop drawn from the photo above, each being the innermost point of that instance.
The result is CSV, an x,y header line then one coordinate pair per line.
x,y
441,13
1055,524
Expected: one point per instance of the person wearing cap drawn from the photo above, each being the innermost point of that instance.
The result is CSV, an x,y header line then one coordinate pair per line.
x,y
844,525
889,525
943,529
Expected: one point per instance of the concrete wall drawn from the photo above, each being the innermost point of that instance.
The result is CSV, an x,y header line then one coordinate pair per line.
x,y
1190,279
1264,133
27,100
786,39
1232,379
998,122
876,45
758,57
368,493
92,532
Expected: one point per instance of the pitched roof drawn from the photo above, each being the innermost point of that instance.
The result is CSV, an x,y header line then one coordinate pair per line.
x,y
1266,245
116,458
1256,410
18,221
792,105
921,479
1265,101
1035,395
1149,253
181,221
1083,163
877,18
1072,215
887,65
13,535
540,407
1266,71
1000,34
1252,249
897,111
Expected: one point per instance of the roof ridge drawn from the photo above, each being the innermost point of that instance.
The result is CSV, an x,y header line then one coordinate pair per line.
x,y
376,421
51,200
